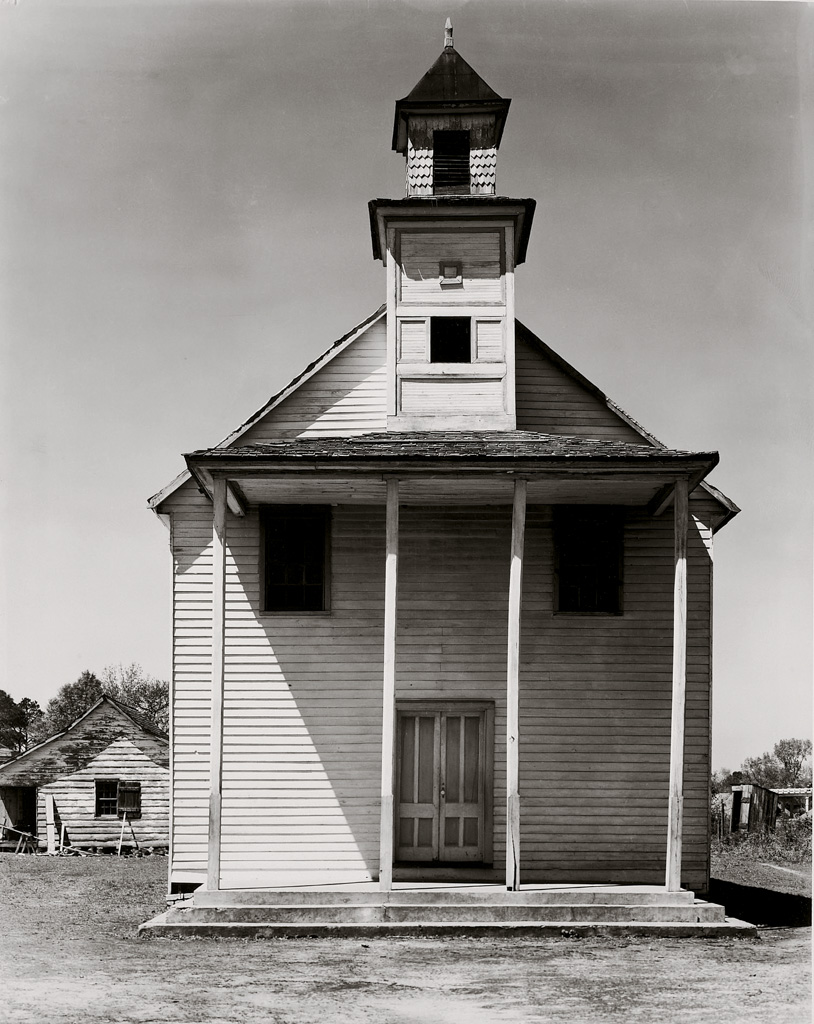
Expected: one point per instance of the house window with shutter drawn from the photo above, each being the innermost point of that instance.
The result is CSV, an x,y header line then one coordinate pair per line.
x,y
295,565
129,800
588,545
107,797
450,162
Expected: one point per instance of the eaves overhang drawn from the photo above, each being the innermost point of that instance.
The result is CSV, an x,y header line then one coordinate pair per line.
x,y
472,454
406,108
387,211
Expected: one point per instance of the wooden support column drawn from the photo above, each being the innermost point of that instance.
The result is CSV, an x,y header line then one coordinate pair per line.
x,y
676,799
513,690
216,716
389,688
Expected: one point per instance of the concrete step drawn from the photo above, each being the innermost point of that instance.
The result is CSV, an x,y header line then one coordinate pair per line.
x,y
368,913
159,927
629,895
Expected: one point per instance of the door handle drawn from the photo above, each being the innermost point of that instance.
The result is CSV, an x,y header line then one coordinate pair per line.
x,y
443,791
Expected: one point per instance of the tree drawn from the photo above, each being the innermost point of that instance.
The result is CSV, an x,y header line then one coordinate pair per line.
x,y
20,722
72,701
784,766
792,755
132,685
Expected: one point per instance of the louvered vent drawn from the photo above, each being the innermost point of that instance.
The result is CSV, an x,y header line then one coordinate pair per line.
x,y
450,163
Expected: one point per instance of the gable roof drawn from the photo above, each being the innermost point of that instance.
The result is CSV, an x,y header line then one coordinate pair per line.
x,y
135,716
730,509
313,367
729,506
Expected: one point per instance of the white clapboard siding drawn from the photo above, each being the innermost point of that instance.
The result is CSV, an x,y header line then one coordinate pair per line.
x,y
489,341
436,396
347,396
302,714
551,401
192,680
413,345
75,799
478,252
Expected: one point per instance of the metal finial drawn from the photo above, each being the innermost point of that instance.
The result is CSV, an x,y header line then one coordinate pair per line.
x,y
448,33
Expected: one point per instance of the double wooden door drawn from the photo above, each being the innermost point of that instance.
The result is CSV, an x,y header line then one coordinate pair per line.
x,y
444,782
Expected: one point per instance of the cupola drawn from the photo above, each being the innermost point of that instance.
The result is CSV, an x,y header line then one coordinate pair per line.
x,y
449,128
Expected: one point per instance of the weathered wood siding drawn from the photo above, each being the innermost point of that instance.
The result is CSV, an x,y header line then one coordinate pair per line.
x,y
347,396
434,396
302,712
75,800
482,158
551,401
72,751
479,253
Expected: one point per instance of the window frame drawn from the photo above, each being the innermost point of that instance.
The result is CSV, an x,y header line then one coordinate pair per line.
x,y
451,362
266,512
110,783
611,517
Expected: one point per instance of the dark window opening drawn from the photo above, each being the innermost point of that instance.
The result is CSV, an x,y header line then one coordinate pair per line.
x,y
295,559
450,162
129,800
589,556
107,797
450,339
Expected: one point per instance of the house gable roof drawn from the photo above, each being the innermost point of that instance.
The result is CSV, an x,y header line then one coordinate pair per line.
x,y
133,716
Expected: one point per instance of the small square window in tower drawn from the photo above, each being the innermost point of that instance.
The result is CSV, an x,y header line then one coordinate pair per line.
x,y
450,163
450,339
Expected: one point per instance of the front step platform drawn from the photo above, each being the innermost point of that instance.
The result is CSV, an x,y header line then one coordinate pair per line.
x,y
444,910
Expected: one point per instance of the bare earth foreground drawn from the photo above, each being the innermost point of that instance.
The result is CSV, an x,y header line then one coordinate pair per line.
x,y
69,952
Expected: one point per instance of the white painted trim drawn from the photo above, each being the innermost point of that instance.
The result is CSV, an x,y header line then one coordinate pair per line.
x,y
386,838
513,690
676,793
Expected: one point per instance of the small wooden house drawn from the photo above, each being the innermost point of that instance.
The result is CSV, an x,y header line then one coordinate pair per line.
x,y
442,610
102,781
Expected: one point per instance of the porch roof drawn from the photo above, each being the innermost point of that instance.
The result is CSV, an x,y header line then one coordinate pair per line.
x,y
460,446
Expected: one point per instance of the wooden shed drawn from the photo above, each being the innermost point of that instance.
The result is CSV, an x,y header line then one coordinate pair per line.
x,y
442,610
78,786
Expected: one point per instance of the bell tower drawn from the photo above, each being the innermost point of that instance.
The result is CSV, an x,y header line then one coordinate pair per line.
x,y
450,248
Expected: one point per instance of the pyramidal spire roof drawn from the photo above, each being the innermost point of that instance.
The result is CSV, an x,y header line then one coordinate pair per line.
x,y
450,83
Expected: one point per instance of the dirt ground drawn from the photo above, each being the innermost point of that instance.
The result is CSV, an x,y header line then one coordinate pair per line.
x,y
69,953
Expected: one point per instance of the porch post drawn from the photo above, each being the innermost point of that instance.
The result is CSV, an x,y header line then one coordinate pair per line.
x,y
675,807
389,688
513,690
216,716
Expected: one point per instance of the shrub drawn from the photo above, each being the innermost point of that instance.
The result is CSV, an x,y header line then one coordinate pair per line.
x,y
789,841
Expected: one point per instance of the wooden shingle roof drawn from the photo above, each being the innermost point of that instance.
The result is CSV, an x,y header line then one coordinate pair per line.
x,y
465,445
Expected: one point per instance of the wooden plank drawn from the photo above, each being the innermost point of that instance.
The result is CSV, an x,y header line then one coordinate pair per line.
x,y
51,832
218,634
389,687
513,690
676,797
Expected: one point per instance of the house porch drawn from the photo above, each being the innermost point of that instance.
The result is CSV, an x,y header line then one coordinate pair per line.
x,y
238,486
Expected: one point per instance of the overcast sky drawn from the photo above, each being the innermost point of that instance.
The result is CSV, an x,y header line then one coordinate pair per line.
x,y
184,227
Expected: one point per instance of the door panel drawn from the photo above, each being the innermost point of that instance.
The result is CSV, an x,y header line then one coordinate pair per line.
x,y
442,785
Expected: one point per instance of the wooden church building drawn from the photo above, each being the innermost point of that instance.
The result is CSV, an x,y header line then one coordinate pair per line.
x,y
442,610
